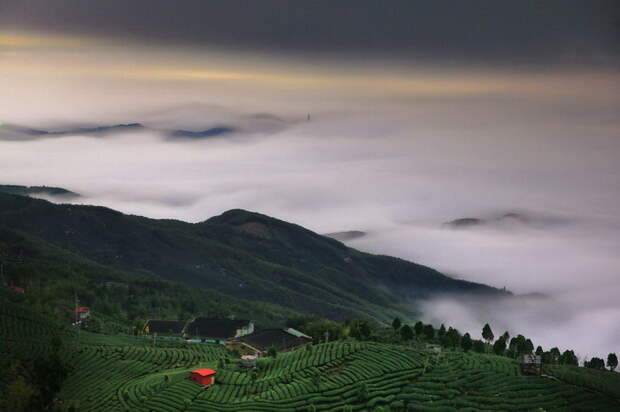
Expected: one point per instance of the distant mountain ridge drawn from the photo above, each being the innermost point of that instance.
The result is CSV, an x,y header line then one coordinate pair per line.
x,y
211,132
22,130
58,192
346,235
241,254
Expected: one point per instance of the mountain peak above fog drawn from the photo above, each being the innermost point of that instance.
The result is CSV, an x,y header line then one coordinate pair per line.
x,y
505,218
37,191
346,235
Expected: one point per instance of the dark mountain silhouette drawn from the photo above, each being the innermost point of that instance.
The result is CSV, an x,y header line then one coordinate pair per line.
x,y
212,132
39,133
240,254
57,192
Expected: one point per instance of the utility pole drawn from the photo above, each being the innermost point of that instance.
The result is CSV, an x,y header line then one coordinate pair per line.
x,y
77,324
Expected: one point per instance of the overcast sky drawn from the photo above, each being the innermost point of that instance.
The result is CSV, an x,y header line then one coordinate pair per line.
x,y
420,113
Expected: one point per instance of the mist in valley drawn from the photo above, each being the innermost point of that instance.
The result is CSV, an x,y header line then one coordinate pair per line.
x,y
396,159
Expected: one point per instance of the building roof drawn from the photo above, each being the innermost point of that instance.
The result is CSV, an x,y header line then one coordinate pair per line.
x,y
16,288
204,372
215,328
164,326
281,339
82,309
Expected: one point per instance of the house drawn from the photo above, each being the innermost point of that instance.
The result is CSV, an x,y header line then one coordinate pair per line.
x,y
282,340
16,289
83,312
218,330
242,348
205,377
531,364
164,327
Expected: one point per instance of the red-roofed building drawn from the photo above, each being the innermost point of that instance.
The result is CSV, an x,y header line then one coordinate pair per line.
x,y
17,289
83,312
205,377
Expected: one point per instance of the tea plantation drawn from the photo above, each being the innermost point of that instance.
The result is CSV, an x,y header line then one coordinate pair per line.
x,y
333,376
126,373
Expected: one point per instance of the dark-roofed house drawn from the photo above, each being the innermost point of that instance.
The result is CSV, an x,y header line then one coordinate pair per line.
x,y
218,330
164,327
282,339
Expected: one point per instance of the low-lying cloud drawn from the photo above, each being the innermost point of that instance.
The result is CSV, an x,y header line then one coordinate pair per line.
x,y
395,163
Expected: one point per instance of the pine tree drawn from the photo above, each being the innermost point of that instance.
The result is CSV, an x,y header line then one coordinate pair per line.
x,y
487,333
466,342
612,361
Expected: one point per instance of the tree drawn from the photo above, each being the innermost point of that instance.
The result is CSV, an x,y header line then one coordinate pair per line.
x,y
487,333
499,347
442,331
272,351
396,323
466,342
612,361
318,328
429,331
506,336
528,347
554,355
453,337
539,350
595,363
361,328
406,333
479,346
19,395
568,357
419,328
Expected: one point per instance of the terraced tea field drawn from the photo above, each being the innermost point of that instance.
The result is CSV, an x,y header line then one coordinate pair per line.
x,y
125,373
335,376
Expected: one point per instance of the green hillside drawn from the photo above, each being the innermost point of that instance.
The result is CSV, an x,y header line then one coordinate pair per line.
x,y
238,254
119,299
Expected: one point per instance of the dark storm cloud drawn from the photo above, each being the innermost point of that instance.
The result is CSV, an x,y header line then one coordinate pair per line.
x,y
477,31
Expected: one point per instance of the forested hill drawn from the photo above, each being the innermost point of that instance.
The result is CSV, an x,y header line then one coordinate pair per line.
x,y
57,192
239,254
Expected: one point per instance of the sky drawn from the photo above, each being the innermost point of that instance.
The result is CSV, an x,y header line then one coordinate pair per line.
x,y
387,117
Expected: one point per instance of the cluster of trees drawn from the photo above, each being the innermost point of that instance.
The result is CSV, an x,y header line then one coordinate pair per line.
x,y
31,383
598,363
505,345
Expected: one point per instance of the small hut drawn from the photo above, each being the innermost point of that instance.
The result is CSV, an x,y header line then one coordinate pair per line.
x,y
83,312
205,377
531,364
